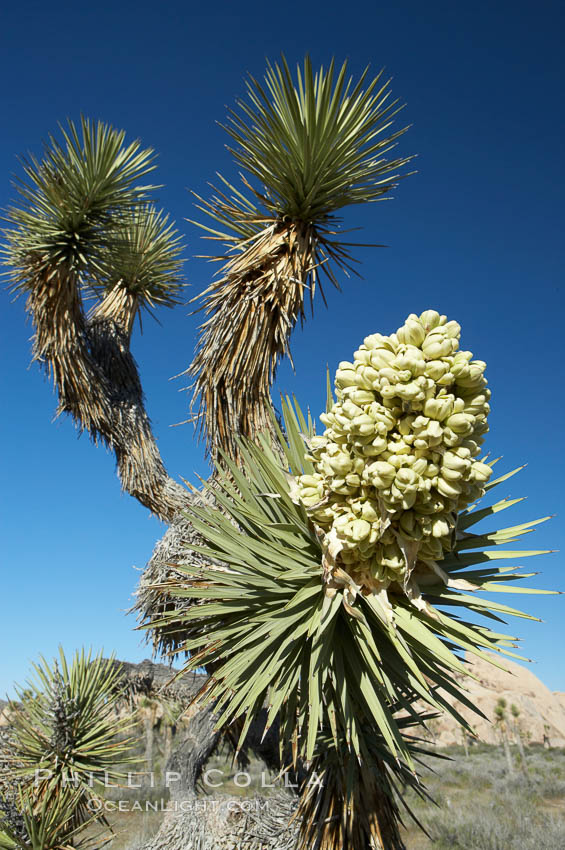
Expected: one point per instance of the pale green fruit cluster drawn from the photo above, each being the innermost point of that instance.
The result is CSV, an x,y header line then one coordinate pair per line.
x,y
398,458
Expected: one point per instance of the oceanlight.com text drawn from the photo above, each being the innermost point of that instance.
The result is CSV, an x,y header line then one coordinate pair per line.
x,y
175,806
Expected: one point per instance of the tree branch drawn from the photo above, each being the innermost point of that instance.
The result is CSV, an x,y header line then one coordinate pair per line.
x,y
98,383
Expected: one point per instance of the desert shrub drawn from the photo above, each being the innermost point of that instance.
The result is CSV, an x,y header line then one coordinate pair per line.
x,y
498,828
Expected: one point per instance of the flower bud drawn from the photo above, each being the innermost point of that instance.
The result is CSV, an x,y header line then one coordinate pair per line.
x,y
434,432
431,549
370,511
362,355
481,471
452,329
357,530
346,375
473,447
406,363
419,466
450,438
430,319
411,333
474,376
341,463
392,556
434,347
451,460
410,391
461,423
451,474
436,369
381,474
378,341
438,408
389,391
315,480
449,489
406,479
363,424
440,527
374,448
350,409
381,358
476,404
360,397
447,380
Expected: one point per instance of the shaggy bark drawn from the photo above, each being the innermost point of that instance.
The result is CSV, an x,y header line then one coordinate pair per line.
x,y
251,312
188,760
149,729
216,826
264,824
98,383
128,427
168,746
217,822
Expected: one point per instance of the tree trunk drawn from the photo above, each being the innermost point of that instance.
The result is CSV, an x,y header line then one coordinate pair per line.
x,y
520,743
168,746
216,822
98,383
508,755
149,724
465,743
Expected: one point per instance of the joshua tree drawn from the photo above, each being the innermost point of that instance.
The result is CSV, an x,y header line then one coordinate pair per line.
x,y
172,715
515,712
158,712
301,575
546,741
61,750
501,720
148,708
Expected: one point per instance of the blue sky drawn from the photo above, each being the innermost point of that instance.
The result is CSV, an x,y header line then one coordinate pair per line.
x,y
476,233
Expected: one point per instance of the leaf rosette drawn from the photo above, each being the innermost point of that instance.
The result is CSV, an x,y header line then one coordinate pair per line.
x,y
272,627
290,629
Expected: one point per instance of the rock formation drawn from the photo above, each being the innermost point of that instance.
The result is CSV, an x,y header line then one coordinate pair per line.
x,y
542,713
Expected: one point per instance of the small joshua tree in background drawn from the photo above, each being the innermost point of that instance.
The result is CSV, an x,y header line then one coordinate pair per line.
x,y
148,710
546,741
501,720
61,750
518,735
